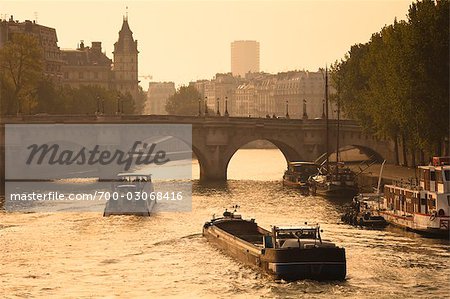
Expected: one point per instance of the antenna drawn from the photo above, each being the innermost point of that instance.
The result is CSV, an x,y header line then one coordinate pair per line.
x,y
36,17
126,13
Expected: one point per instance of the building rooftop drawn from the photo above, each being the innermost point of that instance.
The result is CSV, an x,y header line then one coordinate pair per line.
x,y
85,56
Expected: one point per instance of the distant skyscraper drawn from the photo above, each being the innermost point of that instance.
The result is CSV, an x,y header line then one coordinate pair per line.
x,y
244,57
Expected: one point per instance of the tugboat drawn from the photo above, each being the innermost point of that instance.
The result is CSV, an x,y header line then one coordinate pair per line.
x,y
364,212
364,209
130,195
288,253
298,173
422,207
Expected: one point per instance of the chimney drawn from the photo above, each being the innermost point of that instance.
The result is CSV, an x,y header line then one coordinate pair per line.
x,y
97,46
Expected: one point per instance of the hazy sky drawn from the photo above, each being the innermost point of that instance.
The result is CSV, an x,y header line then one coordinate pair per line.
x,y
182,41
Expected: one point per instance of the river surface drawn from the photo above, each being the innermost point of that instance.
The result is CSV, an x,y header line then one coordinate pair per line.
x,y
83,255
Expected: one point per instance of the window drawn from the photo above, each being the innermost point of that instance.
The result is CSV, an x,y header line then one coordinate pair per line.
x,y
439,176
432,176
80,75
447,175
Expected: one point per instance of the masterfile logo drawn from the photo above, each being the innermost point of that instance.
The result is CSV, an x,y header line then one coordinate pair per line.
x,y
51,154
81,161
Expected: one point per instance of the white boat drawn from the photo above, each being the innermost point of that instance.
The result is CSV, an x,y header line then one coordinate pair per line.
x,y
130,195
424,206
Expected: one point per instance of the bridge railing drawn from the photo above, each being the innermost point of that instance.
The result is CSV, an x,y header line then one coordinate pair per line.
x,y
92,118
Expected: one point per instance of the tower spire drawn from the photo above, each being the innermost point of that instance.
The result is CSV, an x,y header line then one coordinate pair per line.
x,y
126,14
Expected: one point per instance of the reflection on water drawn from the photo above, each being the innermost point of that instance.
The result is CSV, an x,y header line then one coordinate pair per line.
x,y
86,255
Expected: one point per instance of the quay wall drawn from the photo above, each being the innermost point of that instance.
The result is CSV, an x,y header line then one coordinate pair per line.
x,y
368,180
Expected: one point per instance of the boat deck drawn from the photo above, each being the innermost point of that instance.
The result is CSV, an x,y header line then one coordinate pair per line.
x,y
245,230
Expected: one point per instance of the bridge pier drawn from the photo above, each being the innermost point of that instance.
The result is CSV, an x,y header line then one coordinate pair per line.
x,y
213,167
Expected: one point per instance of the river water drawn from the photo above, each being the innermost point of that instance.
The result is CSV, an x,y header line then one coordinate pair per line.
x,y
83,255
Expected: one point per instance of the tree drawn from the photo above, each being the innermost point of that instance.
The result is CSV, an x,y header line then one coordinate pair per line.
x,y
21,69
396,84
139,102
185,101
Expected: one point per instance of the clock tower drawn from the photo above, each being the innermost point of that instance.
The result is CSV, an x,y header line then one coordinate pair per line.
x,y
125,70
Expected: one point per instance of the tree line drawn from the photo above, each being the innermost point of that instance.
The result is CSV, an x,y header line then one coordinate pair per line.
x,y
397,84
25,89
187,100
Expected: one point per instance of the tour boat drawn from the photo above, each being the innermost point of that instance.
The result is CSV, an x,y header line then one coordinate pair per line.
x,y
288,253
298,174
130,195
422,207
364,211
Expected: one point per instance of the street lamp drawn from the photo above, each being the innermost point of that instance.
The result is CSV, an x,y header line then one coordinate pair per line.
x,y
98,105
287,109
305,115
226,106
218,107
118,104
206,106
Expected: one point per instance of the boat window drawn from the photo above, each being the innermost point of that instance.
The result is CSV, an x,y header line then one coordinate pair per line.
x,y
432,176
439,176
447,175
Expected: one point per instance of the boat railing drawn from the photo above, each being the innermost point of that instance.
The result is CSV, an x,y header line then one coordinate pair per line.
x,y
410,183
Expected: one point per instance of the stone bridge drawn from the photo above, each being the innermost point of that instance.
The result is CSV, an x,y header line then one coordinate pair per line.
x,y
216,139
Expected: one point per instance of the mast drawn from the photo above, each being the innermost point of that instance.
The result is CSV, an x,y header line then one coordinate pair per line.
x,y
327,122
337,139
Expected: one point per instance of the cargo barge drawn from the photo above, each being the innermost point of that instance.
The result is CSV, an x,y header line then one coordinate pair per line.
x,y
288,253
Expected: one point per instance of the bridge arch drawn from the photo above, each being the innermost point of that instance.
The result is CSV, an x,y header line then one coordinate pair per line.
x,y
288,152
215,166
364,153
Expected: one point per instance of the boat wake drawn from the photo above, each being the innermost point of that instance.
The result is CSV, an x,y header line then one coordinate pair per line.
x,y
176,240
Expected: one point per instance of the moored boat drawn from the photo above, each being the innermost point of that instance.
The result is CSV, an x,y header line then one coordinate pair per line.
x,y
130,195
288,253
422,207
298,173
338,182
364,211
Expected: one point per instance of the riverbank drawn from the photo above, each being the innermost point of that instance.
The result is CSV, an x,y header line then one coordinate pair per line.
x,y
369,178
